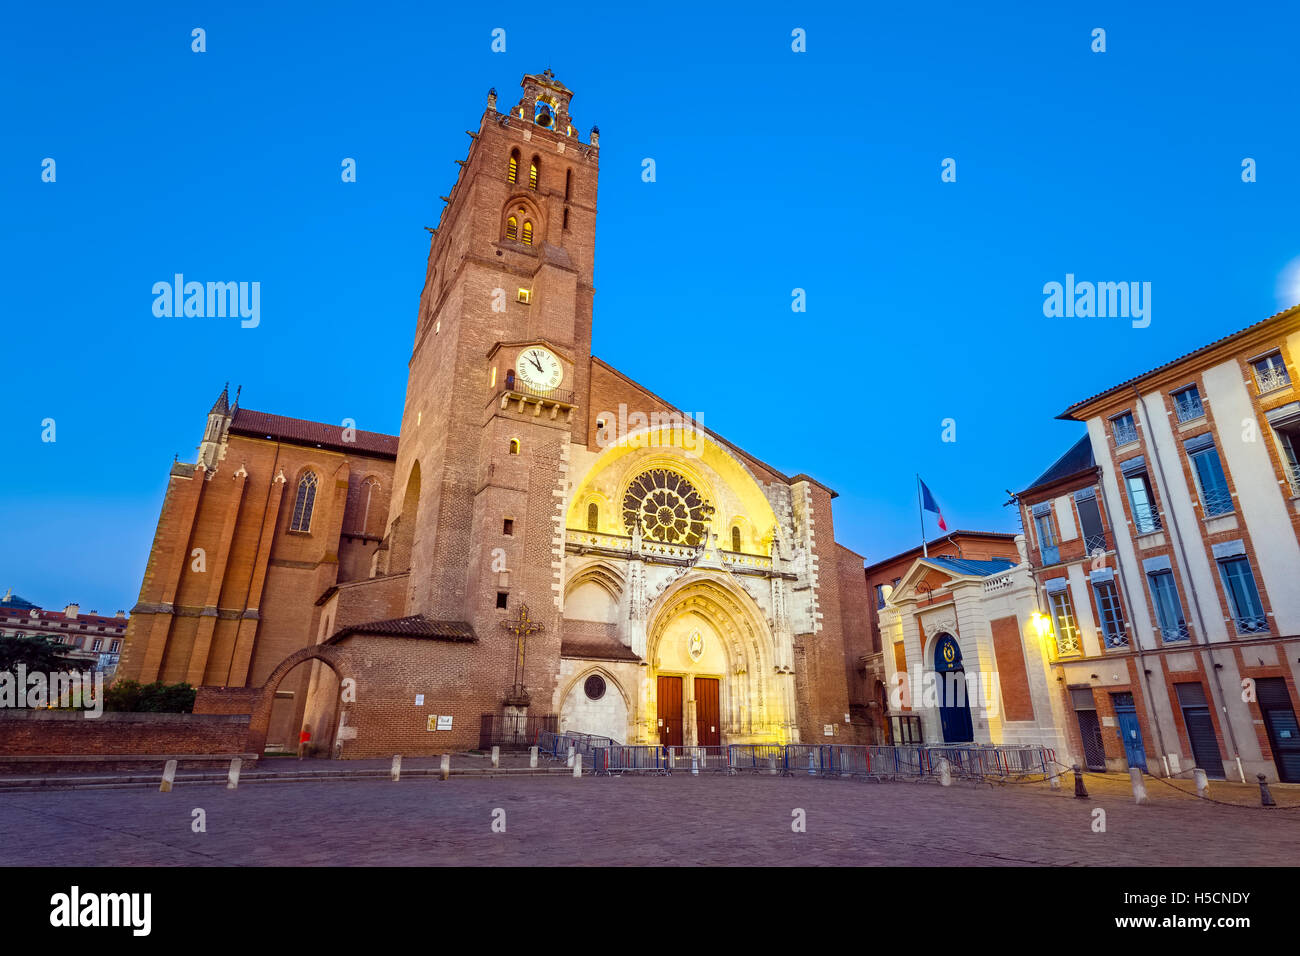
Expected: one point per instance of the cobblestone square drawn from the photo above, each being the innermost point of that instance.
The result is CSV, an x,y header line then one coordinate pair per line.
x,y
677,820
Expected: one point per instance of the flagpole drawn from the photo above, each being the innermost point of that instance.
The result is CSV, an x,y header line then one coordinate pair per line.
x,y
925,549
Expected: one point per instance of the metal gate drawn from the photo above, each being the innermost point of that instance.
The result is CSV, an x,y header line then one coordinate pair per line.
x,y
1280,722
1200,729
1085,710
1130,730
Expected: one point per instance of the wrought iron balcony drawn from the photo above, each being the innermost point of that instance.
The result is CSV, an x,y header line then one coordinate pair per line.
x,y
1188,406
1125,434
1115,638
1067,640
1176,633
1217,502
1252,625
1096,542
1271,377
1147,520
513,388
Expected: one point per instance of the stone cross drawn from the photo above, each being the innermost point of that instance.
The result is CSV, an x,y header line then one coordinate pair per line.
x,y
521,628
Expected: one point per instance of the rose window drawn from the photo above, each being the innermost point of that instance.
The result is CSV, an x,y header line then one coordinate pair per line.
x,y
668,508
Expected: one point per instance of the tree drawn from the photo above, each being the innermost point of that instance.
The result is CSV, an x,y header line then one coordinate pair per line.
x,y
35,653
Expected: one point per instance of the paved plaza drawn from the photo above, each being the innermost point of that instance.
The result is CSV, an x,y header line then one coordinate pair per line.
x,y
705,820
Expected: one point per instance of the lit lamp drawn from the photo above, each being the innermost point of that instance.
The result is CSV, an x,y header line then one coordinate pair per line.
x,y
1043,625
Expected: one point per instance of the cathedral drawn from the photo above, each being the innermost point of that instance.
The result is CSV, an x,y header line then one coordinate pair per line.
x,y
546,543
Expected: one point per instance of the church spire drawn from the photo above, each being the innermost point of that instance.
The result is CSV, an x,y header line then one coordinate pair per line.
x,y
222,405
213,447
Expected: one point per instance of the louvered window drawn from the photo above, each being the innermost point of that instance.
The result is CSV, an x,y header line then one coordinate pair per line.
x,y
512,228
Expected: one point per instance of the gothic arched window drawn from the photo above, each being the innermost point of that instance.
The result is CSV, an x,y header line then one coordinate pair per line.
x,y
528,232
593,516
532,174
735,539
305,502
668,508
513,176
512,228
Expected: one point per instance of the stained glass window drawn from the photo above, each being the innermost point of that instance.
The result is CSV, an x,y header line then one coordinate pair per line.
x,y
305,502
668,508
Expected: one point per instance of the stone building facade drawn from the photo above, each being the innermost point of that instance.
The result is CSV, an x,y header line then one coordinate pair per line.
x,y
1166,545
547,538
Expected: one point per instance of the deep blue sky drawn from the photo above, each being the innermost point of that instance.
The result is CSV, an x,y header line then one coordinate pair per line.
x,y
776,170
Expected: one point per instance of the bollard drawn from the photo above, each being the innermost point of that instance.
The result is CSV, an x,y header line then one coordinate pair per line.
x,y
496,757
444,770
945,773
397,767
1202,783
811,770
577,765
771,764
1265,798
1079,792
672,758
570,755
1054,781
168,778
695,763
1139,786
232,777
532,757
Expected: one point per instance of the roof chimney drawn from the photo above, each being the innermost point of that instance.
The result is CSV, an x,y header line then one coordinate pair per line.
x,y
71,610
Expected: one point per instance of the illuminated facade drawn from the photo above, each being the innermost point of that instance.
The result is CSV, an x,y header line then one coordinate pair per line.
x,y
560,546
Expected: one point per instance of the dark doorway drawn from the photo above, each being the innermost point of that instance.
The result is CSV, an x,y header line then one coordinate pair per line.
x,y
1280,722
1200,729
954,708
1085,711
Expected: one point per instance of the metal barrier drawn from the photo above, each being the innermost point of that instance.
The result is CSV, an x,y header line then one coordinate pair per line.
x,y
971,762
552,746
711,759
628,758
755,758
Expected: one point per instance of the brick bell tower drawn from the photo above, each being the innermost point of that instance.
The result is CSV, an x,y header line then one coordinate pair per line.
x,y
497,375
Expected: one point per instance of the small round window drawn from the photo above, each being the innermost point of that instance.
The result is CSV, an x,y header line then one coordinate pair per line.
x,y
595,687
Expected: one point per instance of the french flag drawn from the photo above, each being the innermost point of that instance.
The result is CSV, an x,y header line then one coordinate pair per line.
x,y
929,504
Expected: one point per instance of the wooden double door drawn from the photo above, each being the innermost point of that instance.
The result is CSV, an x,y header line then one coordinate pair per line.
x,y
672,713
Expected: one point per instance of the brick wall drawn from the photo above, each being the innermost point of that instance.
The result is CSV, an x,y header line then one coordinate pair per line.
x,y
39,732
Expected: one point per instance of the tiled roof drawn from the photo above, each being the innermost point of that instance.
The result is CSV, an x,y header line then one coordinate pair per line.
x,y
416,625
302,432
940,542
981,568
596,649
1068,414
1078,458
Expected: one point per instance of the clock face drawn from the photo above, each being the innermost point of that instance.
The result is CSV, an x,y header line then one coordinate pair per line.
x,y
539,368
